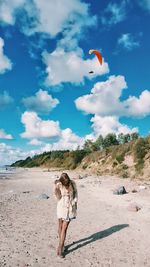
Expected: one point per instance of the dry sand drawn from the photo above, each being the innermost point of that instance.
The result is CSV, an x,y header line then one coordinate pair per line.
x,y
105,233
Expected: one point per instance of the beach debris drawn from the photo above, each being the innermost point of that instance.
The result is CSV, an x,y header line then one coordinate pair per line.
x,y
78,176
120,191
98,54
26,192
43,196
134,190
134,207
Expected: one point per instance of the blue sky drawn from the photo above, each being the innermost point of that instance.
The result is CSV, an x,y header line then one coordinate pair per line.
x,y
48,99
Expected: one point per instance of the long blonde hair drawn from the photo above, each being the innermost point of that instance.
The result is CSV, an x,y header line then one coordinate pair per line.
x,y
66,182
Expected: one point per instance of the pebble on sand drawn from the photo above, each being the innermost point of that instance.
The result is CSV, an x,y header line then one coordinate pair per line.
x,y
134,207
43,196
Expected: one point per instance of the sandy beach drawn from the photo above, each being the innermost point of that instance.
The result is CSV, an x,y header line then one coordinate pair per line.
x,y
107,232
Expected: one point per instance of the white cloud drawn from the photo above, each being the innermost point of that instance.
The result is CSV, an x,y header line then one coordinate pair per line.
x,y
115,13
70,18
4,135
71,67
138,106
104,97
53,17
9,154
68,140
50,17
42,102
105,104
35,142
127,41
109,124
8,10
104,100
5,63
5,99
38,128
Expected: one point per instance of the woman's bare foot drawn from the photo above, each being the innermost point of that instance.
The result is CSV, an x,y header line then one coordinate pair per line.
x,y
60,252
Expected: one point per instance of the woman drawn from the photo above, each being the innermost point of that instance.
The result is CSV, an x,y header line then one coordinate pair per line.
x,y
66,194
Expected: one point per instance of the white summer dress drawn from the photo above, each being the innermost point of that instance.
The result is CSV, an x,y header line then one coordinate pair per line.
x,y
66,201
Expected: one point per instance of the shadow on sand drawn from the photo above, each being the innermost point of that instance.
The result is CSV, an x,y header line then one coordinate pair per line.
x,y
92,238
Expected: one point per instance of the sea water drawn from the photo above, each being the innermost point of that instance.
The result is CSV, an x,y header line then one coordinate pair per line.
x,y
5,171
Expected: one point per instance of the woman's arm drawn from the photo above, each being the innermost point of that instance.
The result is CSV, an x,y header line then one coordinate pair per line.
x,y
75,195
57,191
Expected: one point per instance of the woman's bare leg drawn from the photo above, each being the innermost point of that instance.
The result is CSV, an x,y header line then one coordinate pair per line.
x,y
60,221
63,236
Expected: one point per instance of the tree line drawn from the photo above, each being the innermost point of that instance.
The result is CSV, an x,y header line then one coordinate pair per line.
x,y
109,140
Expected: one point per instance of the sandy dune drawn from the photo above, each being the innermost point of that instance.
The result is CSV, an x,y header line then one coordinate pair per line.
x,y
105,233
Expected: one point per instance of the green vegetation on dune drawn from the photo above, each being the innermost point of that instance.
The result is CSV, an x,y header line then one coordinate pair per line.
x,y
125,155
61,158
